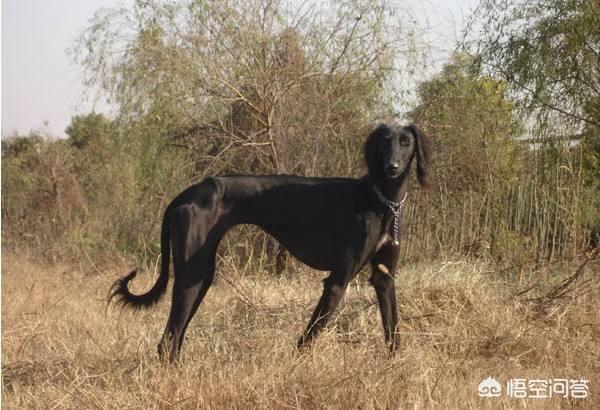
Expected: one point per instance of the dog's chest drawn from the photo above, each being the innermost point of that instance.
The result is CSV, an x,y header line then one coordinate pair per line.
x,y
384,238
385,233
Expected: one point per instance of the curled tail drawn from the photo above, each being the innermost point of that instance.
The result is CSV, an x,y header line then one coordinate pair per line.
x,y
119,290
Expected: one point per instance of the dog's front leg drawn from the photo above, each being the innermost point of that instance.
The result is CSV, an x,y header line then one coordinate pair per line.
x,y
334,288
382,279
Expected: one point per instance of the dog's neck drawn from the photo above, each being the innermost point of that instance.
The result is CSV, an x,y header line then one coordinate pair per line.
x,y
394,189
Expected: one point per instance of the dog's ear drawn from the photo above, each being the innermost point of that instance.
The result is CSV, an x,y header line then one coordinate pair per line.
x,y
423,155
373,156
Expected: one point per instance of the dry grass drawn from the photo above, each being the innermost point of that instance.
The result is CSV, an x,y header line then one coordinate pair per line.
x,y
61,349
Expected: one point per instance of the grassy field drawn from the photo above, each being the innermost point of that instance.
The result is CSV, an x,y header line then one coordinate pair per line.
x,y
463,321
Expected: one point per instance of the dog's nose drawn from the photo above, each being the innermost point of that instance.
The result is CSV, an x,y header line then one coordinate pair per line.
x,y
393,167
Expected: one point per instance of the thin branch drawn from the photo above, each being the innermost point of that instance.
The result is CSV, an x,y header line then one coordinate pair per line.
x,y
346,45
541,101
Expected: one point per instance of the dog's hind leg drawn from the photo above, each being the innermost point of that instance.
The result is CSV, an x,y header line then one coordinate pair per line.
x,y
207,275
334,288
193,259
187,297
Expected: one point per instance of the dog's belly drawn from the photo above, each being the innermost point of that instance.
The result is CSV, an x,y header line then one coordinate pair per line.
x,y
318,248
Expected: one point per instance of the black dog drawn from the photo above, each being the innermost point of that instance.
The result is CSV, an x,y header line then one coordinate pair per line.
x,y
331,224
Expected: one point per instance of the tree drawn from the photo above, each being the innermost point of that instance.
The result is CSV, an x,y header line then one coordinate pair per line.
x,y
41,197
548,53
477,157
89,127
476,125
249,86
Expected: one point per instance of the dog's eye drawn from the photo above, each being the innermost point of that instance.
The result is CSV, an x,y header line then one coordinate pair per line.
x,y
386,140
404,140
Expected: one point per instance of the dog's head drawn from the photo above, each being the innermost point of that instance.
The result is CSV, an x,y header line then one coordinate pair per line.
x,y
389,151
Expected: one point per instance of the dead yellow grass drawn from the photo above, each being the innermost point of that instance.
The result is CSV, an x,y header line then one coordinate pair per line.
x,y
61,349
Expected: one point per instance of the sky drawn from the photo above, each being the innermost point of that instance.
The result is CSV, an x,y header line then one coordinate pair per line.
x,y
41,87
39,82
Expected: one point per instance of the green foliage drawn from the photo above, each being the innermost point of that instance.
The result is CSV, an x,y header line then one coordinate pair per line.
x,y
548,50
476,126
477,157
548,53
41,198
90,127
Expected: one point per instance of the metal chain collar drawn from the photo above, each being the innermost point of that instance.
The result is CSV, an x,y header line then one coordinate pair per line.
x,y
395,208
